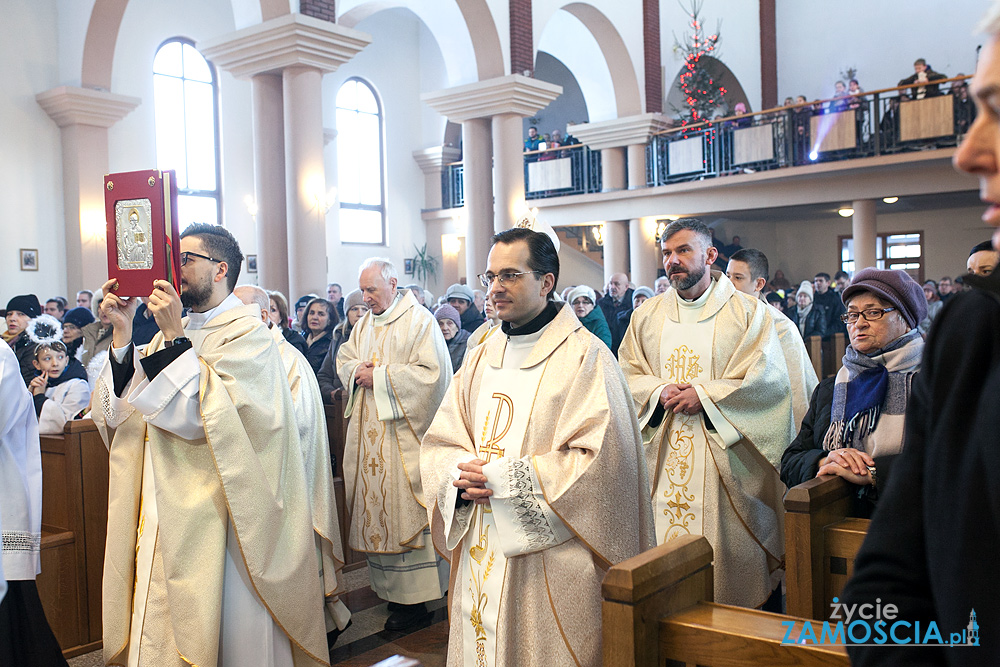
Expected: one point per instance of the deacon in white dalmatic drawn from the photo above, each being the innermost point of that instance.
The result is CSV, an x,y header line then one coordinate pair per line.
x,y
534,474
710,384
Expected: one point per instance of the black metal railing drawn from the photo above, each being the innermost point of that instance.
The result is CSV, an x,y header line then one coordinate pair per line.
x,y
560,171
854,126
453,186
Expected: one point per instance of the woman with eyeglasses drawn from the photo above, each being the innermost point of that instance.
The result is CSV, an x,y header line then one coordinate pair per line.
x,y
854,426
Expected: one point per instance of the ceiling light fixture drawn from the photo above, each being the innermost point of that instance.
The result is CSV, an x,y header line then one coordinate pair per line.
x,y
890,200
846,212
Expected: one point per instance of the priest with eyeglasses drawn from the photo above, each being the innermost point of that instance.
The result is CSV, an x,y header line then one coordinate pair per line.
x,y
535,435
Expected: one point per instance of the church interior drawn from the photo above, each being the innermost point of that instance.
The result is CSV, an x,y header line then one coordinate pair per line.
x,y
324,132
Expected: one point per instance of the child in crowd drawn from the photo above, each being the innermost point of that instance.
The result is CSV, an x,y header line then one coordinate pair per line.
x,y
60,390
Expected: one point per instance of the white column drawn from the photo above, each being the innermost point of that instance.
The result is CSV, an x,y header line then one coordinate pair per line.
x,y
615,248
612,169
636,167
642,250
84,116
478,187
305,180
863,227
269,183
508,171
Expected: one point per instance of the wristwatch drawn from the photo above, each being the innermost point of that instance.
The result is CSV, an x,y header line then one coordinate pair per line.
x,y
176,341
871,472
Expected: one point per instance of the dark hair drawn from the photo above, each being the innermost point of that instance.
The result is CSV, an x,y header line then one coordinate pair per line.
x,y
979,247
542,255
773,297
55,299
693,224
854,81
332,318
755,259
55,346
824,276
282,304
920,61
841,274
220,244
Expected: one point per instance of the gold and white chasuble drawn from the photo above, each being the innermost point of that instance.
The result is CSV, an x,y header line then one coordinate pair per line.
x,y
715,473
549,413
384,492
210,556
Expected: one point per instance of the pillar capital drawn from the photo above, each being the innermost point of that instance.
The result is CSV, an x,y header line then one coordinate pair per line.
x,y
291,39
627,131
433,160
69,105
512,94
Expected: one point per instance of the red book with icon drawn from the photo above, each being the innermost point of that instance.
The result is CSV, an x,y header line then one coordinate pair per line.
x,y
143,235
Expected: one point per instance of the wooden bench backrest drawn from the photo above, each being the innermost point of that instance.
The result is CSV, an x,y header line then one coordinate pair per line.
x,y
821,542
658,607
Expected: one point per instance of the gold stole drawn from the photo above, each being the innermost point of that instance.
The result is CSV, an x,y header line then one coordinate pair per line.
x,y
506,397
679,498
373,471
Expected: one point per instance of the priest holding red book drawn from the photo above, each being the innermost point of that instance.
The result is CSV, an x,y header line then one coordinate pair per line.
x,y
210,554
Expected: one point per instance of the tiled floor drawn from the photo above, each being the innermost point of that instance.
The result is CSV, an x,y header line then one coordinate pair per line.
x,y
366,641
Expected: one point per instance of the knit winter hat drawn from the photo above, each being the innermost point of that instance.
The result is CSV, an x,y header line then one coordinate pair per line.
x,y
896,287
352,299
806,287
448,312
581,290
25,303
642,291
79,317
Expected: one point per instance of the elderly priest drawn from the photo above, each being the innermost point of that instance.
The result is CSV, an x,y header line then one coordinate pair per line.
x,y
210,555
534,474
397,368
711,387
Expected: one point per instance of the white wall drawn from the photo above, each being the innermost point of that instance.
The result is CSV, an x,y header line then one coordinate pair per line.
x,y
392,64
818,39
739,46
566,39
31,200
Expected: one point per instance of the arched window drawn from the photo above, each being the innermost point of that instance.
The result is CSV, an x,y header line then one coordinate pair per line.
x,y
360,166
185,95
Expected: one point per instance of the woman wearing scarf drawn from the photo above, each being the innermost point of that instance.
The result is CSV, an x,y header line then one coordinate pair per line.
x,y
810,317
855,421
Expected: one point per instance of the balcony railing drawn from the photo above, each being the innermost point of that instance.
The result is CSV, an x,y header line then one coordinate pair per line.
x,y
880,122
854,126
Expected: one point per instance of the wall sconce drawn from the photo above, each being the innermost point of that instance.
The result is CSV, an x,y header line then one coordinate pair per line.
x,y
251,205
661,226
845,212
599,234
450,244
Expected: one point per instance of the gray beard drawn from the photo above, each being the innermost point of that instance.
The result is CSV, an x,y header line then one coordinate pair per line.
x,y
690,281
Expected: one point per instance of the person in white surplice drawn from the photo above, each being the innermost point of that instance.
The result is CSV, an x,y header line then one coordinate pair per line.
x,y
211,557
25,636
538,430
711,387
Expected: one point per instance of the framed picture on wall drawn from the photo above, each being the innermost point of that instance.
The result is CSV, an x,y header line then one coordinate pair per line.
x,y
29,259
251,263
408,266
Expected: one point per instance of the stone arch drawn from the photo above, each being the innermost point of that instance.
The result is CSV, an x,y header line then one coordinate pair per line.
x,y
628,98
102,35
466,59
674,98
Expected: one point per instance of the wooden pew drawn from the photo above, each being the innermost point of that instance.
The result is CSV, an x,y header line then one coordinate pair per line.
x,y
336,428
74,530
826,354
821,541
658,607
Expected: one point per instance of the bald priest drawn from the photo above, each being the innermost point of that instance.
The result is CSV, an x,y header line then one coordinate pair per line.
x,y
535,434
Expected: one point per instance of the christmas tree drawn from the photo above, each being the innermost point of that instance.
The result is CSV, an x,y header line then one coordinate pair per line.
x,y
702,93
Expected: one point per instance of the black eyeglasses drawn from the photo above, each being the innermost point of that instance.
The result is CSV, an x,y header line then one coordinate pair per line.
x,y
186,255
870,315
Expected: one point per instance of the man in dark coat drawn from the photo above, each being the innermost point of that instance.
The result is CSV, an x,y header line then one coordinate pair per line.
x,y
461,298
617,300
921,80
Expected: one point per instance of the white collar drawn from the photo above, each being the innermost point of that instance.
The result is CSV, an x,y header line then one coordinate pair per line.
x,y
198,320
